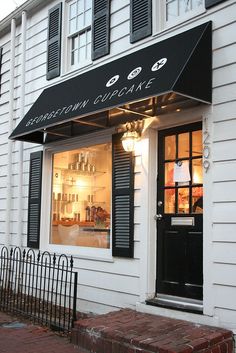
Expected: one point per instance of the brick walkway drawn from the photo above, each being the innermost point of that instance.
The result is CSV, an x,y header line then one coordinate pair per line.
x,y
127,331
27,338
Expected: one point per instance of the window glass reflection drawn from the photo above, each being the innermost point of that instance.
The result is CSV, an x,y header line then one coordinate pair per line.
x,y
197,143
197,171
170,147
183,200
169,202
169,174
183,145
197,200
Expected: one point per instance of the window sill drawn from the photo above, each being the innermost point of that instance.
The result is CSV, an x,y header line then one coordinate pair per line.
x,y
86,253
77,70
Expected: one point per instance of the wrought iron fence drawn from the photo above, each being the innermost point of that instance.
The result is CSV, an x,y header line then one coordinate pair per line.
x,y
39,286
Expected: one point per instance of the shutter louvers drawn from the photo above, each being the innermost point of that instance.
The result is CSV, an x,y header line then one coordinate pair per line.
x,y
122,200
54,42
101,28
210,3
34,203
140,19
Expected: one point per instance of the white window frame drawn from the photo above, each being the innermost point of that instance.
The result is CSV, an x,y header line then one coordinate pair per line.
x,y
46,203
159,12
68,67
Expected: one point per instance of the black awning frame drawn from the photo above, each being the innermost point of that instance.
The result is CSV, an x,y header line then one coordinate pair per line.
x,y
181,64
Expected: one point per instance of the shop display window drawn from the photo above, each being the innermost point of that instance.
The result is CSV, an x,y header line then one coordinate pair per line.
x,y
81,197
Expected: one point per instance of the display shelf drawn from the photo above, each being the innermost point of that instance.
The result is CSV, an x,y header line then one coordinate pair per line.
x,y
81,172
94,188
83,201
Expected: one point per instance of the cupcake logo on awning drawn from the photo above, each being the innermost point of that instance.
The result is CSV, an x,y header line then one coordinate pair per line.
x,y
135,72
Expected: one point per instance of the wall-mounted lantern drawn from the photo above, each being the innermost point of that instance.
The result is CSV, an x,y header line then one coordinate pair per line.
x,y
132,135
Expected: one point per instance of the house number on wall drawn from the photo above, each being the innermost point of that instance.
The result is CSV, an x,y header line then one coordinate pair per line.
x,y
206,146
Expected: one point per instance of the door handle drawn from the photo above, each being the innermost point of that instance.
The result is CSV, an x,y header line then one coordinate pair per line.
x,y
158,217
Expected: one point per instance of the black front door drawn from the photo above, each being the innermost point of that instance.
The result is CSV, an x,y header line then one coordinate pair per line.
x,y
179,212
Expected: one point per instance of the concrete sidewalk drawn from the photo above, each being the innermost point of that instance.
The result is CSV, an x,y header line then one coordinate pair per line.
x,y
17,336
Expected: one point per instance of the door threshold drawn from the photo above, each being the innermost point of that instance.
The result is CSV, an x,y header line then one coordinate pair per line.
x,y
177,303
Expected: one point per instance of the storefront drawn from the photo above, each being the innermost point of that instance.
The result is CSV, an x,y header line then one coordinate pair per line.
x,y
82,192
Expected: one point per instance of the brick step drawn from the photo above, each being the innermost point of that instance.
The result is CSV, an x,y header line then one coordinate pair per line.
x,y
128,331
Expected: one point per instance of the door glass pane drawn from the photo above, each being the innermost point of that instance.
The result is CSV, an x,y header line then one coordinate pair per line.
x,y
170,147
169,174
197,143
169,201
197,200
197,171
183,200
183,145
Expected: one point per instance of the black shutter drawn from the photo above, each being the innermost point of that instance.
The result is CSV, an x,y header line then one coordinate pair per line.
x,y
210,3
100,28
122,200
0,69
140,19
54,42
34,203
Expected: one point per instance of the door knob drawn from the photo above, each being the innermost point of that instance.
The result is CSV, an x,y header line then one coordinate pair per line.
x,y
158,217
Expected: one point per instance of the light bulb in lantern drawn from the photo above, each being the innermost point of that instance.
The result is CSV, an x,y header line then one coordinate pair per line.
x,y
129,140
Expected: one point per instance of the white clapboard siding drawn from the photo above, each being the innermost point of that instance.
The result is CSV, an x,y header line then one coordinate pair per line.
x,y
224,252
120,16
224,274
224,94
225,130
224,232
224,212
110,281
118,5
220,294
223,150
120,26
86,306
107,297
224,35
224,56
224,75
227,317
225,111
224,191
120,31
118,266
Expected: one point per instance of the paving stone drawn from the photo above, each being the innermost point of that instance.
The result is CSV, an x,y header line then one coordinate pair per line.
x,y
18,337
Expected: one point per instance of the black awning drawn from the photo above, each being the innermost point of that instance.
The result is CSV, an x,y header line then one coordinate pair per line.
x,y
181,64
